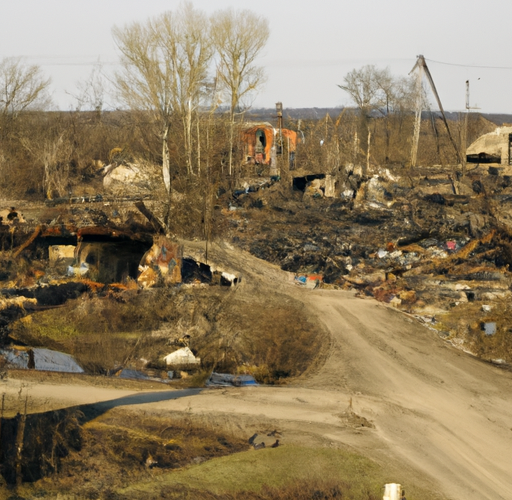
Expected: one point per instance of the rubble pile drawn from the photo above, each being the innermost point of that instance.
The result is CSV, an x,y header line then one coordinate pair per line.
x,y
427,242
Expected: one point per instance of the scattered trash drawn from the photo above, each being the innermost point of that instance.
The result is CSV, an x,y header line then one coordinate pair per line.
x,y
226,380
489,328
311,281
80,270
382,253
451,245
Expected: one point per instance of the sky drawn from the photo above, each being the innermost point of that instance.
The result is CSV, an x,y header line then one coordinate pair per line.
x,y
312,46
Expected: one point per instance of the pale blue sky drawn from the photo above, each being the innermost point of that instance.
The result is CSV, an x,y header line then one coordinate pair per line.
x,y
312,45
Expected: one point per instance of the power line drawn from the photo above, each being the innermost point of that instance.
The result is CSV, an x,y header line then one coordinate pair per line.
x,y
468,65
70,60
78,64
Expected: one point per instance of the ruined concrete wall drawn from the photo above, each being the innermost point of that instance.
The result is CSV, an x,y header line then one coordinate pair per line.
x,y
161,264
495,143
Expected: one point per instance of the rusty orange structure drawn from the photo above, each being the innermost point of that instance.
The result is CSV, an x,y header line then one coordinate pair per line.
x,y
259,139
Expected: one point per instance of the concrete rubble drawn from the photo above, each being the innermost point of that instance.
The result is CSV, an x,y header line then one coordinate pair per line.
x,y
426,241
181,357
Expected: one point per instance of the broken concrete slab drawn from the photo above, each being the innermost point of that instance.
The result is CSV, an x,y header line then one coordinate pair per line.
x,y
161,264
182,357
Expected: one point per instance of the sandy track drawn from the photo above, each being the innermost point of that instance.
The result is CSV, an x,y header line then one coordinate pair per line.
x,y
445,412
435,408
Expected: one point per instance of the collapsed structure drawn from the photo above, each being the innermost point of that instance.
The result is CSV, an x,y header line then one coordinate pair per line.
x,y
262,144
494,147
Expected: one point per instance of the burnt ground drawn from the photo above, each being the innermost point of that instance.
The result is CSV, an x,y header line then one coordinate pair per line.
x,y
430,246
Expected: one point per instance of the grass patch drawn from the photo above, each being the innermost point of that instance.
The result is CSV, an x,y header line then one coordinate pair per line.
x,y
265,334
119,448
253,471
465,324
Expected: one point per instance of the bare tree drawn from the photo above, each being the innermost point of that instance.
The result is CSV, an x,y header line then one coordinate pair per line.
x,y
238,37
144,83
186,44
92,92
22,87
52,150
165,62
365,87
377,91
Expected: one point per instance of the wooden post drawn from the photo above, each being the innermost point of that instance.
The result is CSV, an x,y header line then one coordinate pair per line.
x,y
20,433
368,153
1,421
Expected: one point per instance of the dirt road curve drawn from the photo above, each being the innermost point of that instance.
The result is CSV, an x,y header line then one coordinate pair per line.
x,y
437,409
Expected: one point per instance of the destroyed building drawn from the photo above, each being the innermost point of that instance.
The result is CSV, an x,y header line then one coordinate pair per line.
x,y
494,147
262,143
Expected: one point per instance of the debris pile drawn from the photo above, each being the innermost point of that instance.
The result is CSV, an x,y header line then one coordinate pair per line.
x,y
427,241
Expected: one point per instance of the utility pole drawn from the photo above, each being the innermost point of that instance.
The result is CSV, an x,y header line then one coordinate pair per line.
x,y
465,139
423,68
417,121
465,135
279,143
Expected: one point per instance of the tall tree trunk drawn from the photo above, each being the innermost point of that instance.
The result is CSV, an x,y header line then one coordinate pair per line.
x,y
166,172
166,164
198,147
231,133
187,129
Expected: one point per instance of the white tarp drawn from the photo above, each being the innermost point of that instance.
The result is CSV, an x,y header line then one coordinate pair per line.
x,y
183,356
44,359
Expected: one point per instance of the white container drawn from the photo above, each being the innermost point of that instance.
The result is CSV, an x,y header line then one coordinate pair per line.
x,y
392,491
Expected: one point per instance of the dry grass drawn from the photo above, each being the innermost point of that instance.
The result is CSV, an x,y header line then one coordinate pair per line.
x,y
116,449
195,457
267,335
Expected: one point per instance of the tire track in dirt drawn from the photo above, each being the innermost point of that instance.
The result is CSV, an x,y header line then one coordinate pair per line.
x,y
427,399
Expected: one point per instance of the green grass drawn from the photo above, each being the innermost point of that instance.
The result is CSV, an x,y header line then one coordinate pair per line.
x,y
251,470
278,473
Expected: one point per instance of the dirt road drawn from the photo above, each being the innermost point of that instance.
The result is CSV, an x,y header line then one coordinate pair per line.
x,y
432,407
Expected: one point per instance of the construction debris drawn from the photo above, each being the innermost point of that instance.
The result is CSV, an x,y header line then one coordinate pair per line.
x,y
182,357
161,264
227,380
423,242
